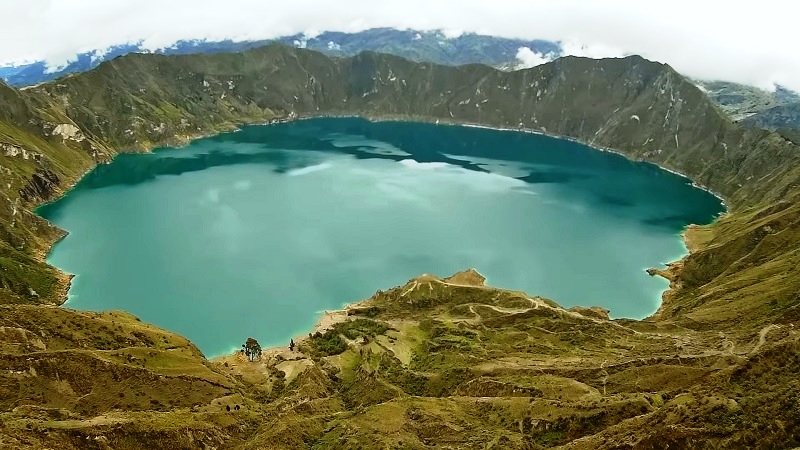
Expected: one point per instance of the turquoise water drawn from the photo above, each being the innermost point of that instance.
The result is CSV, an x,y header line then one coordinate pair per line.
x,y
254,233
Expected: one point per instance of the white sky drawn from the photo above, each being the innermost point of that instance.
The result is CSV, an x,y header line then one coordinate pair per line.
x,y
748,42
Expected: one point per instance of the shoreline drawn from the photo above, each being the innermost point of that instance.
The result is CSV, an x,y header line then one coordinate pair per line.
x,y
327,319
331,317
64,278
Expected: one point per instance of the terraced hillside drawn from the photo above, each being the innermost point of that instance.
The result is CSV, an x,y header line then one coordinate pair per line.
x,y
439,362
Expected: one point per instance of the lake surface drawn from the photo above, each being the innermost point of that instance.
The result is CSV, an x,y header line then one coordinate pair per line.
x,y
255,233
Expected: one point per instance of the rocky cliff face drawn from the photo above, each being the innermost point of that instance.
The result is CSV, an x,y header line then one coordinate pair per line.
x,y
728,315
781,116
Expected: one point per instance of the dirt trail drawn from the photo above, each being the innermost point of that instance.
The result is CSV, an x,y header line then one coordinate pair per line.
x,y
502,310
762,337
535,302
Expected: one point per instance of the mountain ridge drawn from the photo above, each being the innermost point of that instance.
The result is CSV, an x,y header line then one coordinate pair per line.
x,y
420,45
740,101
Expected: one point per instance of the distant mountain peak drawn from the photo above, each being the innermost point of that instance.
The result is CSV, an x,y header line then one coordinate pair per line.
x,y
439,46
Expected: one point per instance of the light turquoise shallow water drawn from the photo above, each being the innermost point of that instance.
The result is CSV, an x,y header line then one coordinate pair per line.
x,y
254,233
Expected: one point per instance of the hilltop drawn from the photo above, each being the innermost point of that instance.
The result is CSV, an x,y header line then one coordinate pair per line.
x,y
438,361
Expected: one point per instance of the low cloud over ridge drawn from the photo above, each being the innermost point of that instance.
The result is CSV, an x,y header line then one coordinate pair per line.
x,y
528,58
705,40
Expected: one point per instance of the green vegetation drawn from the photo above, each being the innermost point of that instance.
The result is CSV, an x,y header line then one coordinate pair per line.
x,y
327,344
332,341
252,349
436,362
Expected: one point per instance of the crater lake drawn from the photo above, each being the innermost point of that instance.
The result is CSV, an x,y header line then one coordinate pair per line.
x,y
255,233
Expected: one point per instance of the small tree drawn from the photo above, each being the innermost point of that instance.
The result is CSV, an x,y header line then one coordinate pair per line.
x,y
252,349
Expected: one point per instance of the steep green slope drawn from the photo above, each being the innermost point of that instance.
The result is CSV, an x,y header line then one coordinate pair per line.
x,y
448,362
40,155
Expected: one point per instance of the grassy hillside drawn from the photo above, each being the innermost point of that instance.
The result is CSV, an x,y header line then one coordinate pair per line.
x,y
433,363
436,362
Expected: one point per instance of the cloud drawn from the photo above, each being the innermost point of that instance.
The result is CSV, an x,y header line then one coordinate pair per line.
x,y
737,40
572,47
99,53
452,33
528,58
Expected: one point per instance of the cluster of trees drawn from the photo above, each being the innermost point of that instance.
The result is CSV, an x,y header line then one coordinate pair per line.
x,y
252,349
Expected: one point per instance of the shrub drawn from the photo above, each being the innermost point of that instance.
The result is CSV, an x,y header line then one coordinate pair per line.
x,y
331,343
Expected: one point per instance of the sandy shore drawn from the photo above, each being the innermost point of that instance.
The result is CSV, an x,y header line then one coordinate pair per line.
x,y
330,318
